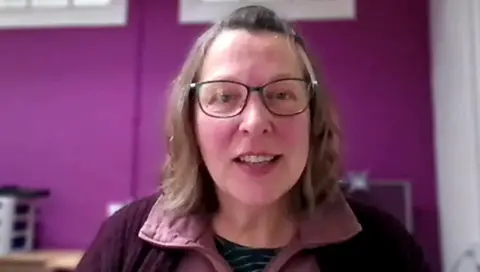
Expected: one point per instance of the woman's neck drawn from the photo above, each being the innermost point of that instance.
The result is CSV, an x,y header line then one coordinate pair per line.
x,y
254,226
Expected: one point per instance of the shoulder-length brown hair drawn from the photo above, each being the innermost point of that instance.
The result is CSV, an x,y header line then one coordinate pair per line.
x,y
186,184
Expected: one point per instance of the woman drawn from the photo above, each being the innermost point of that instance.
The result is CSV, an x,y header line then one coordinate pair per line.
x,y
251,176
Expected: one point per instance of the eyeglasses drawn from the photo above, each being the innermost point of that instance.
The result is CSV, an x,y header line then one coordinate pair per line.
x,y
225,98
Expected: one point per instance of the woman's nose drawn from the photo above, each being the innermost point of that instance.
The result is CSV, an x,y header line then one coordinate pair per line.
x,y
256,119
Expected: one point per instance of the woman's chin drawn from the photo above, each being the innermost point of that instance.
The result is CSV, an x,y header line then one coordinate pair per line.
x,y
259,192
256,198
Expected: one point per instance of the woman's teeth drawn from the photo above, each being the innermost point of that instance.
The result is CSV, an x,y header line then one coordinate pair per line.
x,y
256,159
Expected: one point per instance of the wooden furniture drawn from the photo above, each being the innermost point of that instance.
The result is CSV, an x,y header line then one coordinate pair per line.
x,y
41,261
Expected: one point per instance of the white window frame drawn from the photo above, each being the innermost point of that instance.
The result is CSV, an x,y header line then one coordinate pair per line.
x,y
208,11
113,14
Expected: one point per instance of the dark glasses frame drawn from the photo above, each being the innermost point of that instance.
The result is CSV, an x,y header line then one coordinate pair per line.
x,y
311,87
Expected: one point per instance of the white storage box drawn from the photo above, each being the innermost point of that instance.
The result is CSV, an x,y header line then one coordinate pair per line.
x,y
17,219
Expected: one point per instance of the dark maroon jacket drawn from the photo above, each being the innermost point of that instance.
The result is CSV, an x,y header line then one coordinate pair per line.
x,y
382,245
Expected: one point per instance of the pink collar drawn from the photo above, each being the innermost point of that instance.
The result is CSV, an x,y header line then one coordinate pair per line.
x,y
333,222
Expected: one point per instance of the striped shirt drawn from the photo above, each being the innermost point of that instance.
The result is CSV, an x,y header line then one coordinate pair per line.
x,y
242,258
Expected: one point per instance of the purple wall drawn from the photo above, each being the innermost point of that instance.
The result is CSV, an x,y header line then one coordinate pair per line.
x,y
66,123
80,110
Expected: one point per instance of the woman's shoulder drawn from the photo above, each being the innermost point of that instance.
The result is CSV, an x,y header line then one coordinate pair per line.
x,y
117,238
136,211
131,216
377,222
383,235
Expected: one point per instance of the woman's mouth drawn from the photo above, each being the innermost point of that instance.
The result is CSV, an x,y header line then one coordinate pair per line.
x,y
257,165
257,159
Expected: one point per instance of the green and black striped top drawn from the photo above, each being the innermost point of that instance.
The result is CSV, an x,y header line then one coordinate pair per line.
x,y
242,258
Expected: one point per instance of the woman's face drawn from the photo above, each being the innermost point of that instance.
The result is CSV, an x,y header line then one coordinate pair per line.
x,y
254,157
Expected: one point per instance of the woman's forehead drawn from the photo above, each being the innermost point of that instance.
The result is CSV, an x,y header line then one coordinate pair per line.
x,y
234,52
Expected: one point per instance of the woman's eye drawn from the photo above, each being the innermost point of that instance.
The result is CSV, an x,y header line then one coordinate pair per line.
x,y
224,98
283,95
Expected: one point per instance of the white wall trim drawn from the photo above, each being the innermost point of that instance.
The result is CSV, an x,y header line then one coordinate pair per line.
x,y
475,34
455,40
203,11
115,13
